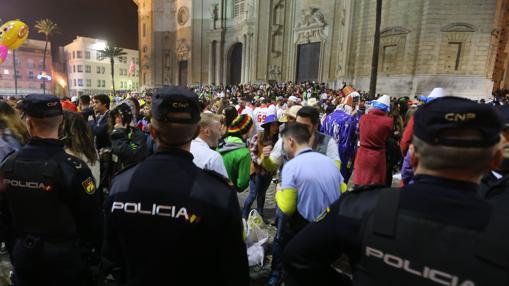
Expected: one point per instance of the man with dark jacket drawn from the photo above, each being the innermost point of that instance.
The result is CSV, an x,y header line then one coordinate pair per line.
x,y
495,184
99,126
169,222
128,143
49,207
434,231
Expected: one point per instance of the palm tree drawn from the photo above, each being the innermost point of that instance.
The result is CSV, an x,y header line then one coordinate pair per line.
x,y
47,28
112,53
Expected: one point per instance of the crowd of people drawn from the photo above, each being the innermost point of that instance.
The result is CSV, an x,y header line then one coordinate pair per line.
x,y
141,189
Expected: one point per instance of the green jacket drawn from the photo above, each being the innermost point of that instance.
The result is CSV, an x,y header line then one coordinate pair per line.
x,y
237,161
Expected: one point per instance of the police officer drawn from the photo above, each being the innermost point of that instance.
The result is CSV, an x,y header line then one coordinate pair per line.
x,y
495,184
436,231
169,222
49,205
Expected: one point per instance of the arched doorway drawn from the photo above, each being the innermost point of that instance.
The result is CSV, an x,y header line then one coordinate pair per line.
x,y
235,61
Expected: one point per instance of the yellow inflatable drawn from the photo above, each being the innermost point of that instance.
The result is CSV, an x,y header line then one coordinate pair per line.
x,y
13,34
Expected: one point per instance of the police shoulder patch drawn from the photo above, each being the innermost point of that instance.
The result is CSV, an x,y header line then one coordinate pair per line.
x,y
89,186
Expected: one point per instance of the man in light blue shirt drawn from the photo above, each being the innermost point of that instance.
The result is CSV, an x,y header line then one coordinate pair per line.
x,y
310,180
310,183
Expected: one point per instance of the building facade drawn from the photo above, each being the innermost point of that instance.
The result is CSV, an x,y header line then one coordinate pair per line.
x,y
29,65
456,44
89,73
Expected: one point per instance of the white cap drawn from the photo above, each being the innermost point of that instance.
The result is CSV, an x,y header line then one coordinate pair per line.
x,y
385,99
355,94
293,98
437,92
312,102
74,99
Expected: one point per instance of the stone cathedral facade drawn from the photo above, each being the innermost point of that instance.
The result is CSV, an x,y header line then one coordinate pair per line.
x,y
460,45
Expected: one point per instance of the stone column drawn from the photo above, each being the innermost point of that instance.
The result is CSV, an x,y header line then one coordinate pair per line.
x,y
248,57
244,61
219,62
211,62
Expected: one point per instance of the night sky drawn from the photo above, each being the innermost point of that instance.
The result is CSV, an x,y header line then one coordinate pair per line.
x,y
111,20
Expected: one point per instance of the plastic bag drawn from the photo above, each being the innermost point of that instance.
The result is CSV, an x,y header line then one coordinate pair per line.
x,y
256,229
256,235
256,254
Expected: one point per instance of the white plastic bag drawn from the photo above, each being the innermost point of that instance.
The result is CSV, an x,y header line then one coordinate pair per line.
x,y
256,254
256,235
256,229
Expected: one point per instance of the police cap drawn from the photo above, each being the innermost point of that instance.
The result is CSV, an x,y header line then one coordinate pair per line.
x,y
41,105
434,119
175,99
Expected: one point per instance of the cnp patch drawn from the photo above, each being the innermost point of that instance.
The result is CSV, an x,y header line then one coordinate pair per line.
x,y
89,186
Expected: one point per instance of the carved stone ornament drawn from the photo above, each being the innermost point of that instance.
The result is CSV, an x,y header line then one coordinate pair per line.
x,y
213,10
459,27
183,15
145,63
182,50
394,31
311,27
274,71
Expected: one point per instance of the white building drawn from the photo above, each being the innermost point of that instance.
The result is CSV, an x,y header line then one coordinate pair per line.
x,y
87,73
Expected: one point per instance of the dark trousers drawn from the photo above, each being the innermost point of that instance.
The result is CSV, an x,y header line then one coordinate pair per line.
x,y
258,185
40,263
287,228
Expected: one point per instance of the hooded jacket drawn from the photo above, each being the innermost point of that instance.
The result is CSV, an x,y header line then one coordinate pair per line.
x,y
237,161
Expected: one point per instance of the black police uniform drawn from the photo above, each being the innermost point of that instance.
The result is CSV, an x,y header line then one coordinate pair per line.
x,y
495,184
436,231
49,208
169,222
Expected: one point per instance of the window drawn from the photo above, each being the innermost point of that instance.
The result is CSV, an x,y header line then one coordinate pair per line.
x,y
454,55
102,70
238,7
18,74
144,30
73,54
88,69
98,56
80,82
98,69
79,54
73,68
89,82
87,55
74,82
98,83
31,75
80,68
389,58
103,83
18,62
30,64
